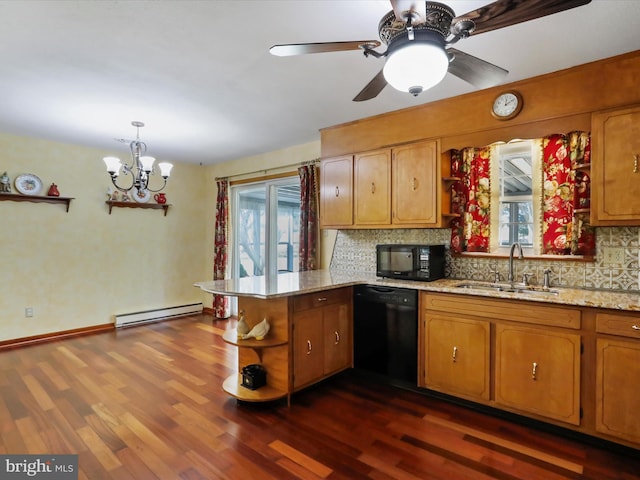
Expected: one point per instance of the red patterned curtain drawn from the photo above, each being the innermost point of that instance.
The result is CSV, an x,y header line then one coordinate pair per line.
x,y
308,217
220,302
471,198
565,229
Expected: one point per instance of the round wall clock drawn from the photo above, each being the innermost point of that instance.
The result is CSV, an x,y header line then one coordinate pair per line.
x,y
507,105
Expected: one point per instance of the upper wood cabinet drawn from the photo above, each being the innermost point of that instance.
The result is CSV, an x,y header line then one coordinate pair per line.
x,y
372,188
615,167
336,192
415,180
392,188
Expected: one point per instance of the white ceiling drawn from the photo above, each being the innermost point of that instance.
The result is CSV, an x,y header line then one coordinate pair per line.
x,y
199,72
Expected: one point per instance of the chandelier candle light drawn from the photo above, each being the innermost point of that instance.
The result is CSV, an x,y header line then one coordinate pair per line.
x,y
141,167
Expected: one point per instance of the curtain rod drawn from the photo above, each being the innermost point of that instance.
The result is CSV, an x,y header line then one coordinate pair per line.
x,y
264,171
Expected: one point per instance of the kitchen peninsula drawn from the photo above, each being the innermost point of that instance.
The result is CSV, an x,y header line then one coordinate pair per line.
x,y
561,358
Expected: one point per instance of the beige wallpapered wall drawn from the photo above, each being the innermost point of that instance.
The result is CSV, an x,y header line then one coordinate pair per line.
x,y
78,269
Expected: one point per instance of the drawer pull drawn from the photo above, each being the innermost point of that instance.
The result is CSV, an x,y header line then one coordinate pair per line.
x,y
337,191
322,299
337,338
635,327
455,352
533,371
309,348
414,184
373,187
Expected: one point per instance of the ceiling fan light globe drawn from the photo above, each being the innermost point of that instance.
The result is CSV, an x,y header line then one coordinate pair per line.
x,y
416,67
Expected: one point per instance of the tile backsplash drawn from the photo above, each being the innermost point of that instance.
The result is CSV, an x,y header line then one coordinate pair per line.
x,y
355,251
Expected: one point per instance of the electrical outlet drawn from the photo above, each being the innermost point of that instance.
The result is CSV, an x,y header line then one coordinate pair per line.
x,y
28,312
613,255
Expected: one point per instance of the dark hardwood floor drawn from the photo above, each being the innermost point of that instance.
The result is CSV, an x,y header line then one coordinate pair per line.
x,y
146,403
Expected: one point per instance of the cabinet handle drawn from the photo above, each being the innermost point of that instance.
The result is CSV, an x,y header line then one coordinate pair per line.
x,y
337,338
309,348
533,371
322,299
455,352
373,187
635,163
337,191
635,327
414,183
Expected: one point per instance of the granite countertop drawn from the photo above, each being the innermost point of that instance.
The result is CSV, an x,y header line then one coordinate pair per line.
x,y
317,280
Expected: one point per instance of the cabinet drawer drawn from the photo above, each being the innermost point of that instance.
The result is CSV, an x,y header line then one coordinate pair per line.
x,y
613,324
319,299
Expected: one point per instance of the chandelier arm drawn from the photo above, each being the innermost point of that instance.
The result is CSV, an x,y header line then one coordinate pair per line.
x,y
113,180
162,187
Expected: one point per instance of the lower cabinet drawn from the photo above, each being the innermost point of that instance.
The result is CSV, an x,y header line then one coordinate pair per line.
x,y
517,356
538,371
457,355
322,335
617,374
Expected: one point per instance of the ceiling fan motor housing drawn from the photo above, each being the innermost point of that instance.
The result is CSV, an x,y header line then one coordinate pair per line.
x,y
437,20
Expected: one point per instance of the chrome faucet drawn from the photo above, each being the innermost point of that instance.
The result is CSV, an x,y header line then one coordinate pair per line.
x,y
511,276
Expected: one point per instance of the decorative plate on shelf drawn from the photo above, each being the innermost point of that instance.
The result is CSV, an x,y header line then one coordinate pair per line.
x,y
142,196
28,184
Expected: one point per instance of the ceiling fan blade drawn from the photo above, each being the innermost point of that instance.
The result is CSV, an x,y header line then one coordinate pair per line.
x,y
475,71
373,88
504,13
304,48
417,8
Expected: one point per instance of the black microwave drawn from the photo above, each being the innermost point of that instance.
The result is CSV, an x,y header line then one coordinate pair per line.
x,y
410,262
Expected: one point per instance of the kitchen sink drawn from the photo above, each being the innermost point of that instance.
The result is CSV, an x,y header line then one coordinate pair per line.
x,y
506,287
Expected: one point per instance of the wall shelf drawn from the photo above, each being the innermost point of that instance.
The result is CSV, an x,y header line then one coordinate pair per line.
x,y
154,206
14,197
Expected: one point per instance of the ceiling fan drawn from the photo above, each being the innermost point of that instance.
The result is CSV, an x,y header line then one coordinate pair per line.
x,y
419,38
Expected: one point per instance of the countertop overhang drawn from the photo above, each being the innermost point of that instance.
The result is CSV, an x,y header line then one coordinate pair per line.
x,y
288,284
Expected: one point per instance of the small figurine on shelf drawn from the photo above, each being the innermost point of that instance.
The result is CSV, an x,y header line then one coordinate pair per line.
x,y
53,191
125,197
5,183
113,195
259,331
242,327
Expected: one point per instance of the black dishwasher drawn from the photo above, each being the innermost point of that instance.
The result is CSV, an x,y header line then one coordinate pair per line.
x,y
385,332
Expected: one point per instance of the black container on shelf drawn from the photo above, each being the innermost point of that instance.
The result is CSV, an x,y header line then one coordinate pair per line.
x,y
254,376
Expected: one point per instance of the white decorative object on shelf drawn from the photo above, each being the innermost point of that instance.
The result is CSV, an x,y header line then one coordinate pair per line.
x,y
259,331
242,327
28,184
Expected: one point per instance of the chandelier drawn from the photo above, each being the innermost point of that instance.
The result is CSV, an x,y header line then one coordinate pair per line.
x,y
141,167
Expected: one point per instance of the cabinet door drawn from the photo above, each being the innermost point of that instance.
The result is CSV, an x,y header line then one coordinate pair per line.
x,y
372,185
308,346
336,192
457,355
538,371
615,167
337,338
414,173
617,399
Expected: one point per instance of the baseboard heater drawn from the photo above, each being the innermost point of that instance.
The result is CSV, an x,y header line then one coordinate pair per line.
x,y
136,318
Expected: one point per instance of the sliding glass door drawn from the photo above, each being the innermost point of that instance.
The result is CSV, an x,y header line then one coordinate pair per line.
x,y
266,222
